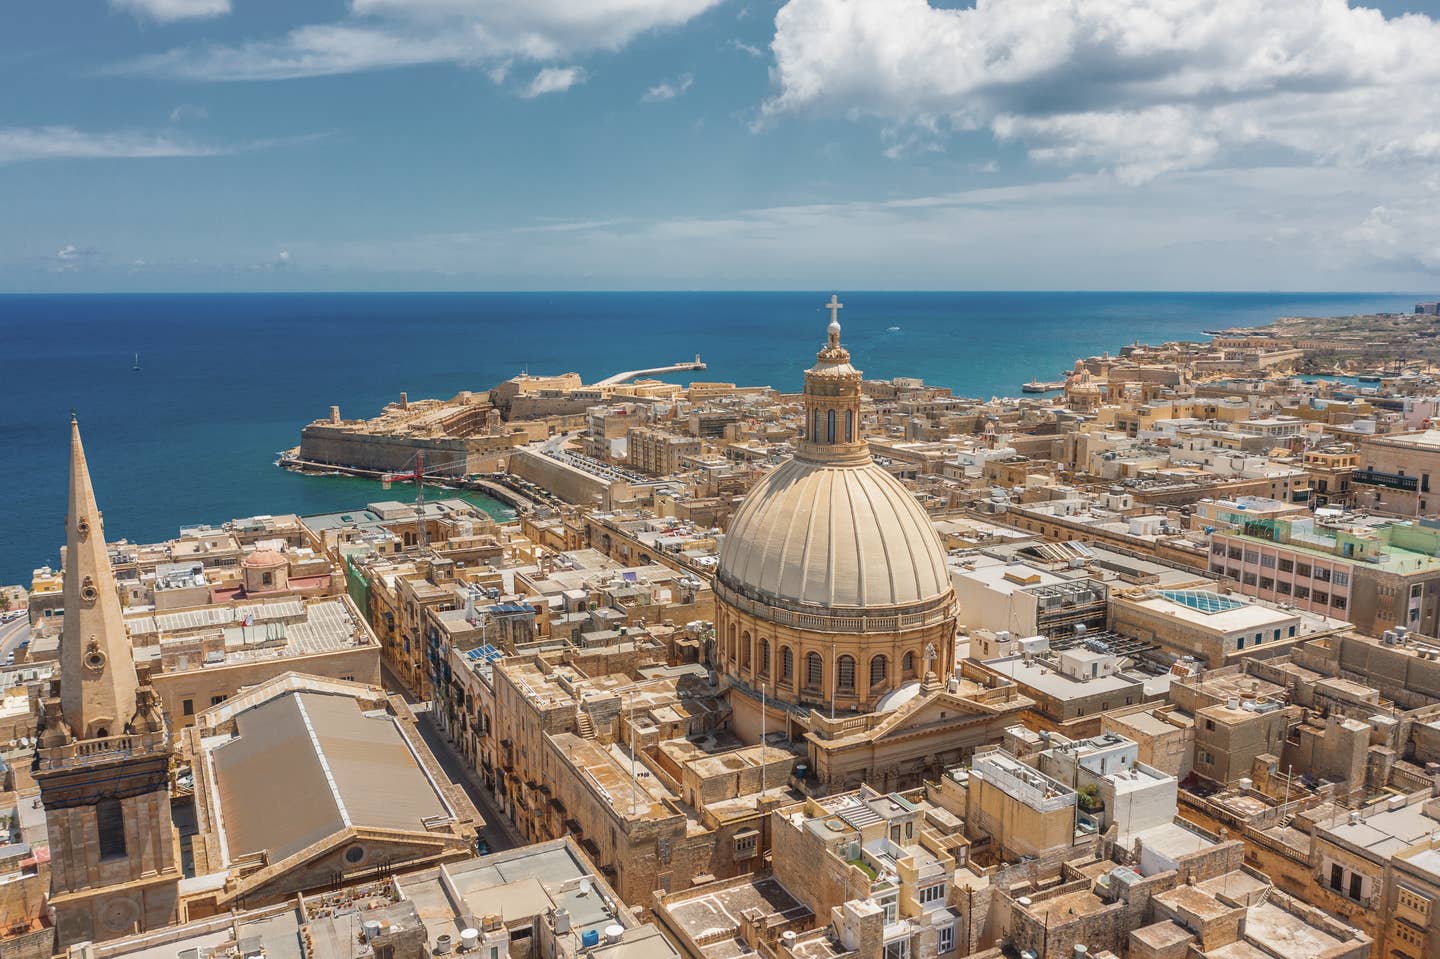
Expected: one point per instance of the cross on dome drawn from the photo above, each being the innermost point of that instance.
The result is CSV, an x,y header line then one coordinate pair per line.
x,y
834,306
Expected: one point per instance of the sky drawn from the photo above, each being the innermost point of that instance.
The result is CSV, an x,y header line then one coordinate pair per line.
x,y
719,144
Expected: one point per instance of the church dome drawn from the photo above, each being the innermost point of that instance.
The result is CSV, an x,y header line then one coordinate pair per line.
x,y
816,534
830,528
264,559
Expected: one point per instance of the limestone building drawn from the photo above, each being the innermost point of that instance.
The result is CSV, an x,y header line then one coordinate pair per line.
x,y
832,586
104,757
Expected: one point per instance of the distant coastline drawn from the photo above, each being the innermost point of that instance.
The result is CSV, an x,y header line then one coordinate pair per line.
x,y
228,379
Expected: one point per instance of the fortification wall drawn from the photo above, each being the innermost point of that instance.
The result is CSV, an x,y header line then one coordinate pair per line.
x,y
566,482
322,443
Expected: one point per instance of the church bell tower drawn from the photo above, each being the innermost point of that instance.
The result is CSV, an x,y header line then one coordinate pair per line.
x,y
103,763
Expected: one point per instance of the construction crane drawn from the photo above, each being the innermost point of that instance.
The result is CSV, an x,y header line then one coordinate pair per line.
x,y
416,474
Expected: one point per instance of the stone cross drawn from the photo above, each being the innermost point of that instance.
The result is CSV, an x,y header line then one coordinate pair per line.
x,y
834,306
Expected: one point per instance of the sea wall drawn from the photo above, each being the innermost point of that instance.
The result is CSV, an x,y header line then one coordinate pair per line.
x,y
451,456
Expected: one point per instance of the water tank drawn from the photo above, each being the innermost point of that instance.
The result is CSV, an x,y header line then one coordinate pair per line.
x,y
1080,951
589,938
562,921
469,938
442,944
614,933
372,929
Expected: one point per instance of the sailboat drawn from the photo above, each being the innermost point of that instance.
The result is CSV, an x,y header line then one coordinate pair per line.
x,y
136,367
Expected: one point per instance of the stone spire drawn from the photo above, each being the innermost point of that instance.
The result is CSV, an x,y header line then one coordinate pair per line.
x,y
832,403
97,664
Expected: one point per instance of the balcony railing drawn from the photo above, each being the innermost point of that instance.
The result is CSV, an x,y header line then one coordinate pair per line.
x,y
1408,484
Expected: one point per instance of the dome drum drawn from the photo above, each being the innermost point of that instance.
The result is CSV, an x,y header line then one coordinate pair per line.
x,y
835,619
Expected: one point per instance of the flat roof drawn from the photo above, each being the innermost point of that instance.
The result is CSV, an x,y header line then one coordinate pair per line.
x,y
1051,682
712,913
1224,614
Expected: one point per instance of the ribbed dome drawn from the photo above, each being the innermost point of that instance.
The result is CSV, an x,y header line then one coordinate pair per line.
x,y
829,535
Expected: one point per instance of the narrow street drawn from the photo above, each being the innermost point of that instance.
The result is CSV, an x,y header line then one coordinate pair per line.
x,y
498,831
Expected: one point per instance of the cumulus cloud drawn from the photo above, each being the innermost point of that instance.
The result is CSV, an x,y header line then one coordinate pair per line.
x,y
381,34
167,11
668,89
1132,86
554,80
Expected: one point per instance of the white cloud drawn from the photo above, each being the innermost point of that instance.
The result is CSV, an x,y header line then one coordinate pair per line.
x,y
188,111
381,34
19,144
1133,86
71,258
168,11
749,49
554,80
668,89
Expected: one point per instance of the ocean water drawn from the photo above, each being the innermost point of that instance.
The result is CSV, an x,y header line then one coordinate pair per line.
x,y
227,380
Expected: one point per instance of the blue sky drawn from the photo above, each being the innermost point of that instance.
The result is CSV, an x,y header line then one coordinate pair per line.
x,y
718,144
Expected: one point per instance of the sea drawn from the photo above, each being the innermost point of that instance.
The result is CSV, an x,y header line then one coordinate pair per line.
x,y
225,381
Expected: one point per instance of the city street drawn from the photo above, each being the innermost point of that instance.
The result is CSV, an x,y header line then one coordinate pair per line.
x,y
498,831
12,635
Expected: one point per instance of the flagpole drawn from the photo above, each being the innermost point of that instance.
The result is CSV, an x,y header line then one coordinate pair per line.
x,y
762,740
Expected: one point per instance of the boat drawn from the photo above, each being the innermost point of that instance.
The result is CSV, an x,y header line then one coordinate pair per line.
x,y
1035,386
136,367
1368,377
892,329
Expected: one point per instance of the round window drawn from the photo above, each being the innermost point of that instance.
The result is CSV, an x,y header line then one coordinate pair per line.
x,y
88,592
354,854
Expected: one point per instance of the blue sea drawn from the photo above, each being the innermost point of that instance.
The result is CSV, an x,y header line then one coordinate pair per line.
x,y
227,380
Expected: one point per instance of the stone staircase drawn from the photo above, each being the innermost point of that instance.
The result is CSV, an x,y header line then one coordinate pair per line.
x,y
584,728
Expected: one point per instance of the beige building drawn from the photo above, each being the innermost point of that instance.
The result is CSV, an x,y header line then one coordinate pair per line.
x,y
200,657
1395,471
1022,811
657,452
541,902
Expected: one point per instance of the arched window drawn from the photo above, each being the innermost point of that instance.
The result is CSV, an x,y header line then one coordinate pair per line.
x,y
787,665
830,426
849,426
814,670
764,657
878,668
730,644
846,670
908,663
815,429
110,824
745,651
